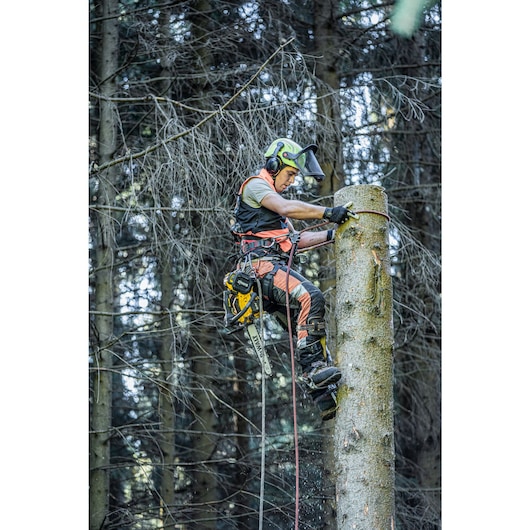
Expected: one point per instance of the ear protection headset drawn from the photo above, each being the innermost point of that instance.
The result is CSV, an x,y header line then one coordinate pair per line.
x,y
274,163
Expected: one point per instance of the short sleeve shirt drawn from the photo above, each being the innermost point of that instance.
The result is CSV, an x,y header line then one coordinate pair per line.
x,y
255,191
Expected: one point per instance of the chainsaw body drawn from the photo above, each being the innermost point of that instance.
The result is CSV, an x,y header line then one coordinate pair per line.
x,y
242,310
241,302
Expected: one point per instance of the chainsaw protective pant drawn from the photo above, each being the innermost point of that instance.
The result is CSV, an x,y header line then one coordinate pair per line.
x,y
306,301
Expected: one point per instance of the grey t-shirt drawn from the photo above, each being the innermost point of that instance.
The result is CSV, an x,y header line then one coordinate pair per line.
x,y
255,191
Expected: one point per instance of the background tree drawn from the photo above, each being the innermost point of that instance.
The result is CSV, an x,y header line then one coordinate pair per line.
x,y
104,245
201,88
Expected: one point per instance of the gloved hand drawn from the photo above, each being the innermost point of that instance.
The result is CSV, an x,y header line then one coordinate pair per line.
x,y
339,214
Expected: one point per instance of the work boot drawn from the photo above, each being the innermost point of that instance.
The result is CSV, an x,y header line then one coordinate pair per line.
x,y
321,375
326,401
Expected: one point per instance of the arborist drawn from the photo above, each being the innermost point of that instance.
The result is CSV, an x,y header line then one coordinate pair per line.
x,y
266,236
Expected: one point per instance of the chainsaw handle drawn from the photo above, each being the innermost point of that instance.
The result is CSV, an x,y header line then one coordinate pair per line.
x,y
244,310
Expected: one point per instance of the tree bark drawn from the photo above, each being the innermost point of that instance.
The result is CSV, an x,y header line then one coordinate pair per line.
x,y
167,401
205,479
364,436
167,350
327,47
204,489
101,418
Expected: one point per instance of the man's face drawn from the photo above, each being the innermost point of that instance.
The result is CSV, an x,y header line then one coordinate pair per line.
x,y
285,178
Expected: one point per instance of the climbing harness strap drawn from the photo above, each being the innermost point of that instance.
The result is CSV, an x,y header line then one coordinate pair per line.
x,y
250,244
313,328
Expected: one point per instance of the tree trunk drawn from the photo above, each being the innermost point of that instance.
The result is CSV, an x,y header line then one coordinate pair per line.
x,y
104,250
328,105
167,351
204,490
364,436
166,401
205,479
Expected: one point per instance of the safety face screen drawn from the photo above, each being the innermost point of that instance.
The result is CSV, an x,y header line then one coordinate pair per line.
x,y
308,164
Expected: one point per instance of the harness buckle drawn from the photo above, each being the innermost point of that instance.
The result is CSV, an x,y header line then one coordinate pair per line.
x,y
252,245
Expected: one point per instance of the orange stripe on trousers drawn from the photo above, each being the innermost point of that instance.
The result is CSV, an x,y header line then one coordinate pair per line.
x,y
280,281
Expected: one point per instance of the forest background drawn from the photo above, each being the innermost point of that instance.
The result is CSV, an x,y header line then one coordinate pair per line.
x,y
183,98
60,300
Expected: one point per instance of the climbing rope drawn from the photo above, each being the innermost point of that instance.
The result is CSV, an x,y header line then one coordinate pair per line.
x,y
386,216
263,433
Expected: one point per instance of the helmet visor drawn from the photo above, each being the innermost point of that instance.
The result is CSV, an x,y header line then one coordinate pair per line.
x,y
307,163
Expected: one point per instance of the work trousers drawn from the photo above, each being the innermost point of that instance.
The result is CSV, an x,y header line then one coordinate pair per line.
x,y
306,301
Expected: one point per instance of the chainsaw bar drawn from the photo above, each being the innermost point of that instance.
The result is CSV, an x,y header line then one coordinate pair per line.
x,y
255,338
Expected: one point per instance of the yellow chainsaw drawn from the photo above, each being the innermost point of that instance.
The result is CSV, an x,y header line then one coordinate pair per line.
x,y
242,310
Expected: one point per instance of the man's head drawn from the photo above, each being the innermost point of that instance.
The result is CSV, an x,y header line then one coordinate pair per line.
x,y
283,153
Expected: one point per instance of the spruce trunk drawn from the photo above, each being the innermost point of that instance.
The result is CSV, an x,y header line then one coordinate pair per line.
x,y
101,411
167,401
364,435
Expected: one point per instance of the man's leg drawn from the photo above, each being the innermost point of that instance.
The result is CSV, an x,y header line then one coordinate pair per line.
x,y
318,370
309,304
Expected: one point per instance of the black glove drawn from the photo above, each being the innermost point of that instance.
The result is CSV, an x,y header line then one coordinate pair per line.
x,y
338,215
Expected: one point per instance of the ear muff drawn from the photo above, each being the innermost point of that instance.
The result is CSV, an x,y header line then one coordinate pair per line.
x,y
273,164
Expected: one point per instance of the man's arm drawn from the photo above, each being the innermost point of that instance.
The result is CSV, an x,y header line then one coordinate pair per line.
x,y
308,239
292,208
